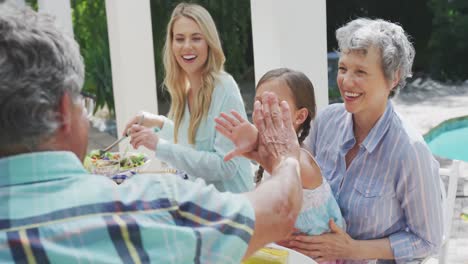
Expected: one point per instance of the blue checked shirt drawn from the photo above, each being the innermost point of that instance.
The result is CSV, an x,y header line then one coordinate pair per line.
x,y
391,189
53,211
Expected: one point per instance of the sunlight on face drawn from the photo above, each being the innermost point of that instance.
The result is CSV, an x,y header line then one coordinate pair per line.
x,y
362,82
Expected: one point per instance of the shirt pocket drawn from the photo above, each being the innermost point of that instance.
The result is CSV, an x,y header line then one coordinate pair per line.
x,y
371,186
373,197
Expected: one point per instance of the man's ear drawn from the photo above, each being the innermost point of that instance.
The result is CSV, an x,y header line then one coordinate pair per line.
x,y
65,111
396,79
301,115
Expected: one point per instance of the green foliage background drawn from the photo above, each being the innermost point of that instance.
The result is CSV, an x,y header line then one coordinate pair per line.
x,y
414,16
449,40
439,31
90,29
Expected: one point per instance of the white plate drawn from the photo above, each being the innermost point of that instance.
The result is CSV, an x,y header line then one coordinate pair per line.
x,y
294,256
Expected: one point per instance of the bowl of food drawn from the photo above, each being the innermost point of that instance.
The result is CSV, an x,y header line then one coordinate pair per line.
x,y
116,165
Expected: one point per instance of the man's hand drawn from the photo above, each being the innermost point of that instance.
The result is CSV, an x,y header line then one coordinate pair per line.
x,y
277,137
278,201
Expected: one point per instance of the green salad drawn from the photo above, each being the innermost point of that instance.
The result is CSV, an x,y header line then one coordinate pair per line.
x,y
95,159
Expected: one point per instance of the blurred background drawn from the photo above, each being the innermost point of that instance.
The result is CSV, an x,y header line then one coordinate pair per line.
x,y
435,99
438,29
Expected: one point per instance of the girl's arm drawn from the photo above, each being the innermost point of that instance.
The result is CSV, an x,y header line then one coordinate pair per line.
x,y
239,131
244,135
311,176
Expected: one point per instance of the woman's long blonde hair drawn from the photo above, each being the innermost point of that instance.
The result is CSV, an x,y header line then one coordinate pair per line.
x,y
176,80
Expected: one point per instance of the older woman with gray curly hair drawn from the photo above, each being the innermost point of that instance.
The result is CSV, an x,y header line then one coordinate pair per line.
x,y
381,172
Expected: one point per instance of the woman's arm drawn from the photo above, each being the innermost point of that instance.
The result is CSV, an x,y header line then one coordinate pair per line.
x,y
339,245
149,120
419,193
198,162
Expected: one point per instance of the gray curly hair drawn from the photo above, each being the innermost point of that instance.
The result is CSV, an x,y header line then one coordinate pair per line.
x,y
38,64
396,50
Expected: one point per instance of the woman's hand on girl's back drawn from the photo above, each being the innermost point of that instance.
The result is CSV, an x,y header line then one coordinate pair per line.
x,y
329,246
243,134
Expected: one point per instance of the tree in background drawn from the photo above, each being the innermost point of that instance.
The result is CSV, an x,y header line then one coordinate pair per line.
x,y
448,43
32,4
438,29
90,29
232,19
414,16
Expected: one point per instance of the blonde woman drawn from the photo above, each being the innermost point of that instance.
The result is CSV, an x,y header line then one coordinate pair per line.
x,y
200,90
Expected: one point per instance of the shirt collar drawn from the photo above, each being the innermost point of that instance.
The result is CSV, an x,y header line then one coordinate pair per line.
x,y
375,135
39,166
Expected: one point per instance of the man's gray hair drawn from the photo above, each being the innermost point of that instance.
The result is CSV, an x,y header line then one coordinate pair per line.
x,y
390,39
39,63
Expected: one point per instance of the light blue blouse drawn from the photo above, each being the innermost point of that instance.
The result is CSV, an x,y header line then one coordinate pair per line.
x,y
205,158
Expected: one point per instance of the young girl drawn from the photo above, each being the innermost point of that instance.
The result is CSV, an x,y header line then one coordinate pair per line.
x,y
200,90
319,205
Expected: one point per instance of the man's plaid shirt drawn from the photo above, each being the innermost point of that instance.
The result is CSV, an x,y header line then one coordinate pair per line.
x,y
52,210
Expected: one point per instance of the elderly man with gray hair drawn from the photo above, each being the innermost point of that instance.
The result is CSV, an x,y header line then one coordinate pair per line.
x,y
52,210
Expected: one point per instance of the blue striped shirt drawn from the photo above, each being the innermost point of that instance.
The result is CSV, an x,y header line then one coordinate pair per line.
x,y
392,187
52,210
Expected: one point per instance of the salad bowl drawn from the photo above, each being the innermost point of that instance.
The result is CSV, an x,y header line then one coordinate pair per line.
x,y
115,165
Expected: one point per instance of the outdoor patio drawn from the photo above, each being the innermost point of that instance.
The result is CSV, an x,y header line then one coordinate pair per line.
x,y
425,105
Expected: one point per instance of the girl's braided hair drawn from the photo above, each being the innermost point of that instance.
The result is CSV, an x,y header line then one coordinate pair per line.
x,y
303,95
